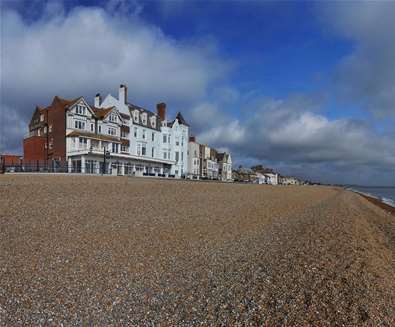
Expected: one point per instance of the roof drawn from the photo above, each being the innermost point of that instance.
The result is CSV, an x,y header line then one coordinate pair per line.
x,y
222,156
124,116
101,112
181,119
57,104
150,114
93,136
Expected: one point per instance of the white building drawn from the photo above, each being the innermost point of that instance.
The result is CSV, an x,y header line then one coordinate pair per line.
x,y
193,158
267,178
224,166
139,141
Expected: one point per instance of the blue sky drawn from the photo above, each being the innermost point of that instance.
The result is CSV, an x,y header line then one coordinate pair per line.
x,y
304,87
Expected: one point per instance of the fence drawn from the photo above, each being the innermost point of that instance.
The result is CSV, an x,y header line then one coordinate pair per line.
x,y
75,166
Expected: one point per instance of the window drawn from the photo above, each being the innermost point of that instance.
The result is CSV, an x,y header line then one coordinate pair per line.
x,y
164,138
153,121
169,138
182,156
45,130
144,134
83,142
164,155
124,148
177,143
50,128
139,149
99,128
177,156
136,116
135,132
153,136
168,154
80,110
79,124
112,131
92,127
123,134
143,150
113,118
42,117
144,118
153,152
115,147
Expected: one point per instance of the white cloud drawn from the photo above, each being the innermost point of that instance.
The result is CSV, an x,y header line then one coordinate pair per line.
x,y
90,50
367,75
305,142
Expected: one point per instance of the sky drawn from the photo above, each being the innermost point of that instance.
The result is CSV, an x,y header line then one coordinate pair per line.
x,y
307,88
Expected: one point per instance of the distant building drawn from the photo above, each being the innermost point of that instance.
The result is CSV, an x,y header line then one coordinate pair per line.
x,y
289,180
266,178
224,166
10,162
193,158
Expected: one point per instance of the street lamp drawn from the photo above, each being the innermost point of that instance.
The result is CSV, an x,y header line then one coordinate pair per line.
x,y
106,155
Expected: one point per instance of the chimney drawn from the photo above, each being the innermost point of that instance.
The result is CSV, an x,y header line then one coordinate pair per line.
x,y
192,139
123,94
161,110
97,100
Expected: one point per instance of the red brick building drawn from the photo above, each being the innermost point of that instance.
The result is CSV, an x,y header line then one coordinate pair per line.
x,y
10,159
47,133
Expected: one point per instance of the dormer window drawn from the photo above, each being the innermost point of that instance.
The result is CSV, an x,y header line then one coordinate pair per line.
x,y
153,122
136,116
144,118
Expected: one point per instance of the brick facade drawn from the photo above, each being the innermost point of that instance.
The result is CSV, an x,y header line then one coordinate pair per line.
x,y
47,130
34,148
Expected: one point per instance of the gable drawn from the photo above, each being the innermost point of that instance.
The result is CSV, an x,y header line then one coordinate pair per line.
x,y
81,107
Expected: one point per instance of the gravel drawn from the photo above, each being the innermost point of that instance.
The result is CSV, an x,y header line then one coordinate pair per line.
x,y
119,251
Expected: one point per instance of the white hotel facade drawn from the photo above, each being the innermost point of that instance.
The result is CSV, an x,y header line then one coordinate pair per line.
x,y
138,141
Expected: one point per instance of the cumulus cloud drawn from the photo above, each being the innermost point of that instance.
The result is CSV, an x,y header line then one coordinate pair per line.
x,y
304,142
89,50
367,75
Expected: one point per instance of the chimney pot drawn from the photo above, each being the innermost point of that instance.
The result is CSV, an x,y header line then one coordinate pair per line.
x,y
97,100
192,139
123,94
161,110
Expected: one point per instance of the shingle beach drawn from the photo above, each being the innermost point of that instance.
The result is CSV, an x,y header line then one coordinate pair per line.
x,y
122,251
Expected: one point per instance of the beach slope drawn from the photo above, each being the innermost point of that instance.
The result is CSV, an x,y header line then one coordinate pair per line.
x,y
118,251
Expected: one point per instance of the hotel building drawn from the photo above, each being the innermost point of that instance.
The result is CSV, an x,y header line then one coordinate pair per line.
x,y
112,136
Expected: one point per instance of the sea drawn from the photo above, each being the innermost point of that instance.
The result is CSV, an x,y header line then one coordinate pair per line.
x,y
385,194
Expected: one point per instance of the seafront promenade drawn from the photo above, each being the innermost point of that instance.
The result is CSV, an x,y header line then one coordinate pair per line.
x,y
113,251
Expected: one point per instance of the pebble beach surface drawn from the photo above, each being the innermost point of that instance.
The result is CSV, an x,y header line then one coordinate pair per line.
x,y
123,251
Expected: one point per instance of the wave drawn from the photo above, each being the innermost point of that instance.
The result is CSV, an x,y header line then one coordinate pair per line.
x,y
385,200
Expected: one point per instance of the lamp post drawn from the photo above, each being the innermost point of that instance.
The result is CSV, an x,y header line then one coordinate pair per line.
x,y
106,155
